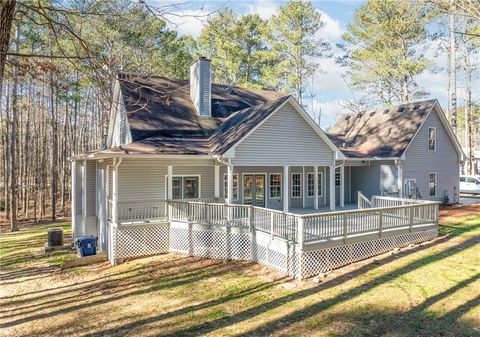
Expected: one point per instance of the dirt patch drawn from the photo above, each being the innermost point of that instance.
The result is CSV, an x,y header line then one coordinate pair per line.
x,y
459,210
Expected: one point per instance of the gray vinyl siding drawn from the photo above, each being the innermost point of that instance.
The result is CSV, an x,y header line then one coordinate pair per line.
x,y
373,179
144,179
283,139
79,187
419,162
91,184
121,130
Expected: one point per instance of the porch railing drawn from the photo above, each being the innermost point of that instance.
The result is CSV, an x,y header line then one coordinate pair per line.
x,y
382,215
362,201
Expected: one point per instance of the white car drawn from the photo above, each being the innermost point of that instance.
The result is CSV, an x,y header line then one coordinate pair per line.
x,y
469,184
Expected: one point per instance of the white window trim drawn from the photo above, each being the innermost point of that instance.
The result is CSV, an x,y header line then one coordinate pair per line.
x,y
429,173
238,186
291,185
182,176
428,139
320,190
281,186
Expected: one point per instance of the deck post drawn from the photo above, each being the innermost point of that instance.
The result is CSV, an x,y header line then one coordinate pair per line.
x,y
399,179
169,182
380,223
285,189
271,225
412,209
342,186
217,182
344,221
315,185
115,190
301,232
331,178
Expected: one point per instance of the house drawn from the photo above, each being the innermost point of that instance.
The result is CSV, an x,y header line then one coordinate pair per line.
x,y
173,140
410,150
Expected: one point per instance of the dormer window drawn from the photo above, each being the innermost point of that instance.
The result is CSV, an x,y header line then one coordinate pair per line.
x,y
432,139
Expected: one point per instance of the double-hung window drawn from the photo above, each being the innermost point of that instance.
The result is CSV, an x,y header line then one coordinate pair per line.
x,y
337,179
275,186
432,184
432,139
311,185
235,186
296,185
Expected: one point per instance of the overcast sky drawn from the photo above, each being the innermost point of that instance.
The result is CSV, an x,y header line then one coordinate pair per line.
x,y
329,87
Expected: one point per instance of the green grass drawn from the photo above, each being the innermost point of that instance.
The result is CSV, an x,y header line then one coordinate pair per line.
x,y
430,290
20,248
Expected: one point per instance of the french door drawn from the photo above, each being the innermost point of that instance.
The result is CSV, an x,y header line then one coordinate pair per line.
x,y
254,189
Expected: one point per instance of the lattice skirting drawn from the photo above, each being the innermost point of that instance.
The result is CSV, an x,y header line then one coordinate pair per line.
x,y
317,261
214,243
240,244
142,240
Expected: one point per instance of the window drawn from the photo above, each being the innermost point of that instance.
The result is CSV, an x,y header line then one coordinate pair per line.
x,y
432,184
311,184
184,187
462,179
275,185
320,184
235,186
296,185
337,179
432,139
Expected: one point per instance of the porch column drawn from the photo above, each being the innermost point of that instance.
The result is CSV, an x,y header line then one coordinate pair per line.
x,y
342,186
217,181
332,187
115,190
315,185
400,179
324,185
303,186
285,189
229,184
169,182
84,197
74,196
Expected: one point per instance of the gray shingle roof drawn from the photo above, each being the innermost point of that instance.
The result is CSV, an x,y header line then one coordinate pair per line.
x,y
163,120
384,132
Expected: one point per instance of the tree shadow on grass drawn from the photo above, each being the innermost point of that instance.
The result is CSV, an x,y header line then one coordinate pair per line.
x,y
301,314
304,313
169,281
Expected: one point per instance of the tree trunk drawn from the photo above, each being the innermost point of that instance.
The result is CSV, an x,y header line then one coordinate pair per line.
x,y
7,12
452,78
13,143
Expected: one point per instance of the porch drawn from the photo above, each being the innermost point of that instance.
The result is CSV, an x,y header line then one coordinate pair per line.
x,y
299,245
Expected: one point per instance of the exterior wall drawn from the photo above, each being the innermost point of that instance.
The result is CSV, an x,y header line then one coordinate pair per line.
x,y
145,179
121,132
444,161
85,199
374,178
284,139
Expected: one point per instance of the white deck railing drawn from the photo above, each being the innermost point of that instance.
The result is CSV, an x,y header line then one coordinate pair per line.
x,y
380,215
362,201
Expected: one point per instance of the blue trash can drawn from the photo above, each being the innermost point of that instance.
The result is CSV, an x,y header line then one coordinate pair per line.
x,y
86,245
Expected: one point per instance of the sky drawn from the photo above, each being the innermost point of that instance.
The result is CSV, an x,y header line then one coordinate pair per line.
x,y
329,87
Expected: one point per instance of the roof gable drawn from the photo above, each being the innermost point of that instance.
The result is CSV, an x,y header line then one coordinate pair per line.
x,y
385,132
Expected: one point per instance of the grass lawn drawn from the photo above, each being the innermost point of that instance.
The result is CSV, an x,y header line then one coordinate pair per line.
x,y
428,290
